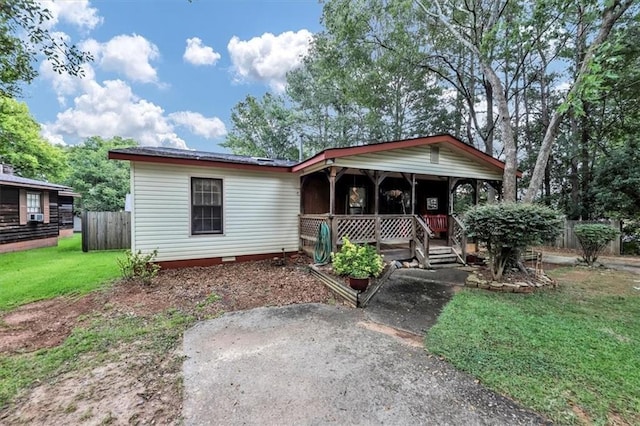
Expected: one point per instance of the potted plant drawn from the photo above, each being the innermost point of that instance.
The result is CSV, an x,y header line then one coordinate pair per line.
x,y
358,262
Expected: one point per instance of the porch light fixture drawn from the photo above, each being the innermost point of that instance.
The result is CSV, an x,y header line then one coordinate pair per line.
x,y
330,161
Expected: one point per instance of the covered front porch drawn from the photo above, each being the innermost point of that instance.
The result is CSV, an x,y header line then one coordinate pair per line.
x,y
399,196
404,215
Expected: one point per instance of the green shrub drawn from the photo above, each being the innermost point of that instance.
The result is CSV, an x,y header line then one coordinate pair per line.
x,y
358,261
508,228
139,266
593,238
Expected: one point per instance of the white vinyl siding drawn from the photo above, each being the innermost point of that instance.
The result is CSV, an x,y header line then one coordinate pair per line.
x,y
419,160
260,212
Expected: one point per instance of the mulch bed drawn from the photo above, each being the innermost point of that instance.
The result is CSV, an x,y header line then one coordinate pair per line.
x,y
238,286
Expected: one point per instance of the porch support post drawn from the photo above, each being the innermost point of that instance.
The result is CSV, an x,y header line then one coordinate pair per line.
x,y
376,193
377,178
412,242
303,180
413,194
332,191
332,208
452,186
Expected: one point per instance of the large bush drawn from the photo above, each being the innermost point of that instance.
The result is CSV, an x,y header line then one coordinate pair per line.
x,y
508,228
593,238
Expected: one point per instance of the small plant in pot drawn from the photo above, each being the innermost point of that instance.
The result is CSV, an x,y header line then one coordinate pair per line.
x,y
358,262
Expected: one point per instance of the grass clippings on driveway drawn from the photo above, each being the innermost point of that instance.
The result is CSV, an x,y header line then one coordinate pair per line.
x,y
570,354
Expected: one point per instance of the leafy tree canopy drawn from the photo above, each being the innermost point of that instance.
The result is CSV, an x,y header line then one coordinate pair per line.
x,y
508,228
23,37
263,128
22,147
617,181
103,183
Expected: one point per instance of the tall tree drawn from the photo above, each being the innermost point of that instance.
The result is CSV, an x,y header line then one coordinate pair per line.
x,y
360,82
103,184
22,146
263,128
480,25
586,78
24,36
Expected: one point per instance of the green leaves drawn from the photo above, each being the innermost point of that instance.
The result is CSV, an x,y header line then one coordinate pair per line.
x,y
358,261
593,238
263,128
22,146
23,37
508,228
102,183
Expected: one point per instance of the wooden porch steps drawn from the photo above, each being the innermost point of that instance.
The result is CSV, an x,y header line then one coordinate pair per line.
x,y
442,257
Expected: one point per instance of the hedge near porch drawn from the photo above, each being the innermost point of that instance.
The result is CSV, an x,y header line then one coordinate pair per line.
x,y
507,229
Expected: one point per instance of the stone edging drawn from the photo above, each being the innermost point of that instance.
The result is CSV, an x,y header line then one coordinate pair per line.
x,y
535,283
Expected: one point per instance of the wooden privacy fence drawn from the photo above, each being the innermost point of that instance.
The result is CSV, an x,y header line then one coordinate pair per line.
x,y
567,239
106,230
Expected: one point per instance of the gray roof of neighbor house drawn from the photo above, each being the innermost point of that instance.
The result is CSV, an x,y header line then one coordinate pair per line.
x,y
184,154
13,180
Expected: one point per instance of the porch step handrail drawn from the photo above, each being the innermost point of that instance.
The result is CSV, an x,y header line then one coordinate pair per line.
x,y
459,238
422,235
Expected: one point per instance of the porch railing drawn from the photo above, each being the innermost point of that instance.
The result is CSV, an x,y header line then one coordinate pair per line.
x,y
376,229
421,241
308,230
373,228
459,238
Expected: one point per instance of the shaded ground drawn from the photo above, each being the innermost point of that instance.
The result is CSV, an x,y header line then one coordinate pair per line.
x,y
319,364
137,387
412,299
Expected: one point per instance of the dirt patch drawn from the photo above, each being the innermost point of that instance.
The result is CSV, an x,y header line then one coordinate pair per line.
x,y
140,388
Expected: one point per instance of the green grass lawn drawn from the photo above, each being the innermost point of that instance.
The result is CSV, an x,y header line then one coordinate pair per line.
x,y
31,275
572,354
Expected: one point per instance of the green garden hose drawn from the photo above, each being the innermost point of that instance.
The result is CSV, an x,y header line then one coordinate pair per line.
x,y
322,249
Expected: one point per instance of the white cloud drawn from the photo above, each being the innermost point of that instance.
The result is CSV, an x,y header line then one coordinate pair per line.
x,y
77,12
52,137
112,109
64,84
268,58
197,53
196,123
129,55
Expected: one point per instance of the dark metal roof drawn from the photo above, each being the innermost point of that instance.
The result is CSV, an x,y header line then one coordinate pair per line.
x,y
203,156
31,183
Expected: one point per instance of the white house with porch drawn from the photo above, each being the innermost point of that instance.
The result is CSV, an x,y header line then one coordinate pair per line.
x,y
201,208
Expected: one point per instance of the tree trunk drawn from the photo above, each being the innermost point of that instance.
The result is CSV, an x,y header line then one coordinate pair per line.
x,y
508,137
609,17
489,133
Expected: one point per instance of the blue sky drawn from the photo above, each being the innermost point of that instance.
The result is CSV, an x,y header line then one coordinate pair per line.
x,y
167,72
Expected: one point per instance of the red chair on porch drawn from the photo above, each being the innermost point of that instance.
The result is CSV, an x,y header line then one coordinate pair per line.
x,y
437,222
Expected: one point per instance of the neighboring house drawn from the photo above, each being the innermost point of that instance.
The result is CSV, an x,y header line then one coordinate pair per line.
x,y
33,213
201,208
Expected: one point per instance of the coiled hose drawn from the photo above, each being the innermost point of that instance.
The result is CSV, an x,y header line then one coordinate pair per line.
x,y
322,248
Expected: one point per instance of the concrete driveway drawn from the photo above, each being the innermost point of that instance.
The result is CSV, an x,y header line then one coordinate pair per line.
x,y
318,364
412,299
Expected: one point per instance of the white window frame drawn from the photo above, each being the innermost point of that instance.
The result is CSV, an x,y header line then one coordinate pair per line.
x,y
192,205
31,198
